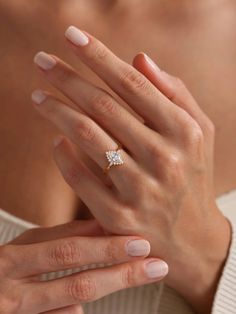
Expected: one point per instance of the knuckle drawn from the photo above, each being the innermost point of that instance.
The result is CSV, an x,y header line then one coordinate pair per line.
x,y
72,175
65,75
97,53
81,288
51,106
153,150
175,170
195,136
65,253
84,130
173,161
103,104
110,251
127,276
132,81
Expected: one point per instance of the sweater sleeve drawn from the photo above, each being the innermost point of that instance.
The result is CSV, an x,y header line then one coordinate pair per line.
x,y
225,297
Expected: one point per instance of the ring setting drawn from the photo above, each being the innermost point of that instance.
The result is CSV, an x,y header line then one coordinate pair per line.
x,y
114,158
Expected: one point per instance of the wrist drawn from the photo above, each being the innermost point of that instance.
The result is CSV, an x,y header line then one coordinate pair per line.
x,y
200,273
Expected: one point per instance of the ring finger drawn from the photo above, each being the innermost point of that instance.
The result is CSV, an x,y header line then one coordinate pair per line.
x,y
85,133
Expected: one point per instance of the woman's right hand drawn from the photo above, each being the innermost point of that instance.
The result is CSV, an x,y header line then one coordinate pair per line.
x,y
71,245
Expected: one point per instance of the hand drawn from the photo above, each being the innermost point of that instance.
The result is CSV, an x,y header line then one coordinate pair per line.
x,y
71,245
164,190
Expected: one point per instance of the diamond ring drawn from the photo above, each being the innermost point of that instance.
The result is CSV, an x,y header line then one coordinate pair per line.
x,y
114,158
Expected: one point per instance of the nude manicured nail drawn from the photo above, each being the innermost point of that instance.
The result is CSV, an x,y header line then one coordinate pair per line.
x,y
57,140
138,248
76,36
151,62
156,269
38,96
44,61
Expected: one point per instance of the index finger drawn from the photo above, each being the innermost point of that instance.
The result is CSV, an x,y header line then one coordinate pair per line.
x,y
124,79
73,252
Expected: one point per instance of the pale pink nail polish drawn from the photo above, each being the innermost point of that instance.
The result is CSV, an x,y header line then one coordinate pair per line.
x,y
44,60
76,36
151,62
138,247
38,96
156,269
57,140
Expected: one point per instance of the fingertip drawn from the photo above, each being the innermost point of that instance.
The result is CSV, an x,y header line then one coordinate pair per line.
x,y
138,248
38,96
151,63
44,61
58,140
138,60
156,269
76,36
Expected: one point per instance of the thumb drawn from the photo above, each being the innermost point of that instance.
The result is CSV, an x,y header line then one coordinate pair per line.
x,y
71,229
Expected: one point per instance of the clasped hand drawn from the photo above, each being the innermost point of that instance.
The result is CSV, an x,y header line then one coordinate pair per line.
x,y
164,190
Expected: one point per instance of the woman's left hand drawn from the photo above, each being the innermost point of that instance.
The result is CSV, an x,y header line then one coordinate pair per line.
x,y
164,190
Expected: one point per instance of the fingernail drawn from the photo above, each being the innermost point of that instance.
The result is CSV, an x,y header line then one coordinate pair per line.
x,y
38,96
138,248
76,36
156,269
57,140
151,62
44,61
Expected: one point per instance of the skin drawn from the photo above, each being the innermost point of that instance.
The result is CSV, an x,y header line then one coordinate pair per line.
x,y
181,65
166,180
48,200
66,246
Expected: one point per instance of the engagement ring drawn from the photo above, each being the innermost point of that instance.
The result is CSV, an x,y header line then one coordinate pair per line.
x,y
114,158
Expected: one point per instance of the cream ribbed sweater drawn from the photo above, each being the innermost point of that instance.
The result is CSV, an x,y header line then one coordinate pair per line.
x,y
153,298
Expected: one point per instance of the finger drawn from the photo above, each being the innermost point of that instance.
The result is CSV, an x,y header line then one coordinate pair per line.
x,y
98,104
99,198
71,229
126,81
103,202
172,87
90,137
74,309
91,285
61,254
